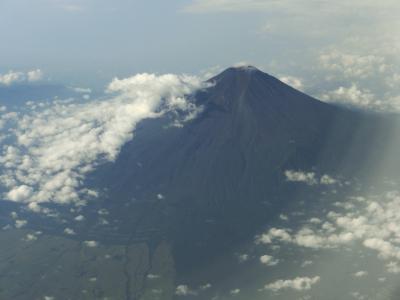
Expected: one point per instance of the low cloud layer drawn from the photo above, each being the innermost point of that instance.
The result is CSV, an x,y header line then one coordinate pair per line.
x,y
371,223
53,146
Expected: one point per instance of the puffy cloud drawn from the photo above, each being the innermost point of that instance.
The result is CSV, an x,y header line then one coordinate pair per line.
x,y
269,260
34,75
59,143
299,176
351,65
326,179
91,244
393,267
14,77
69,231
30,237
360,221
20,223
184,290
79,218
11,77
298,284
353,96
20,193
274,234
293,82
360,274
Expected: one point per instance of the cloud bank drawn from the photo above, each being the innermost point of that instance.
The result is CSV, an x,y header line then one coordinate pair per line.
x,y
56,145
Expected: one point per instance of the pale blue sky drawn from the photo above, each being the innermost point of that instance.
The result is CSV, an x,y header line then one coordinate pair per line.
x,y
324,44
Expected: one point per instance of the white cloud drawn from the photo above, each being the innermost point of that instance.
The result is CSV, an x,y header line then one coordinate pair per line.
x,y
352,65
184,290
34,75
58,144
309,178
393,267
20,223
30,237
360,221
69,231
360,274
79,218
353,96
298,284
326,179
269,260
274,234
91,244
295,82
20,193
299,176
13,77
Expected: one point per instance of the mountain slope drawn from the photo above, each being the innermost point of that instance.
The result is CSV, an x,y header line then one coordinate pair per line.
x,y
214,182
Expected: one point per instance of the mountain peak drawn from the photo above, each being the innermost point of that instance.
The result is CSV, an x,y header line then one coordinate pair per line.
x,y
247,87
244,67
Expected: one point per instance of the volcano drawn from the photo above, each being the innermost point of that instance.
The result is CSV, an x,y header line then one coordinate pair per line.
x,y
212,183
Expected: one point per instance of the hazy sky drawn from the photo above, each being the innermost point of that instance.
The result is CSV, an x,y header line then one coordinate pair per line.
x,y
317,45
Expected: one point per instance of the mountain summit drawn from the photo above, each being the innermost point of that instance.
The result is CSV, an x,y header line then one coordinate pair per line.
x,y
259,91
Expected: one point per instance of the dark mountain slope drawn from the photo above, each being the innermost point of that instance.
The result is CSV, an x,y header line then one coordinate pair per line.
x,y
214,182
